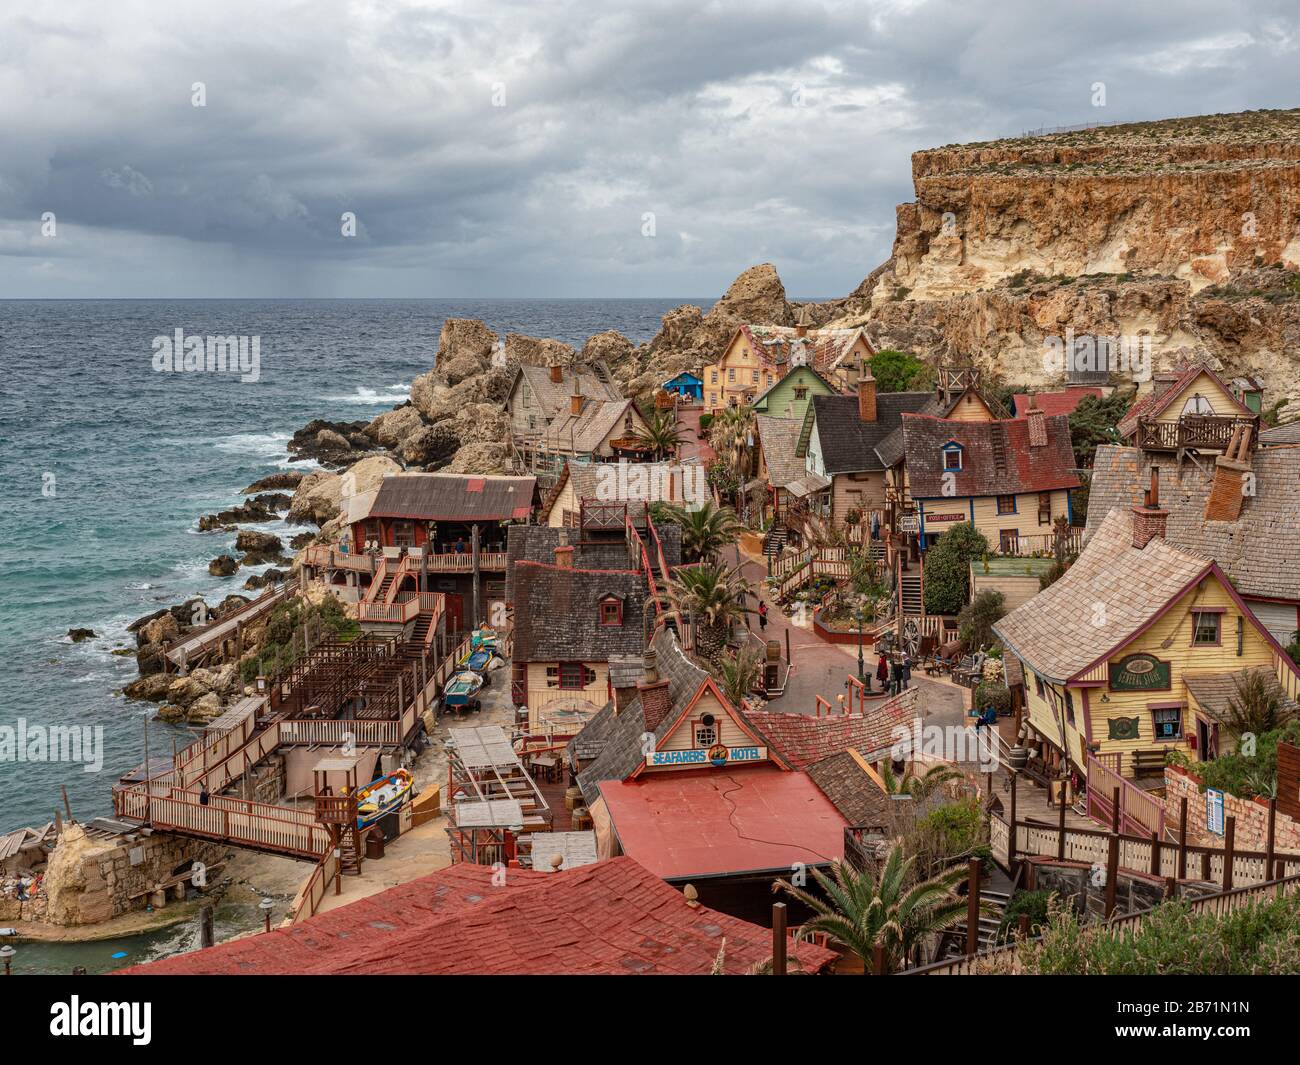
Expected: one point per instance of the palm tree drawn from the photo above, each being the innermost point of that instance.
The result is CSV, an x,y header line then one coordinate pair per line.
x,y
731,435
865,911
919,787
662,435
740,674
713,596
706,529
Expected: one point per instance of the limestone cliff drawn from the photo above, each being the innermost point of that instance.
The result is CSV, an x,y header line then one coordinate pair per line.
x,y
1185,231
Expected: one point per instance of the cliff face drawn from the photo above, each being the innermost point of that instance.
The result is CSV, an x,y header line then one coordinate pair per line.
x,y
1185,231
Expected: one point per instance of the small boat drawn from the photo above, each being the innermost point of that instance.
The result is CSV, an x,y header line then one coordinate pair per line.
x,y
459,695
382,796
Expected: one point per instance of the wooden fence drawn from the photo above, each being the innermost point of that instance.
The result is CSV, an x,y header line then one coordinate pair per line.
x,y
1141,813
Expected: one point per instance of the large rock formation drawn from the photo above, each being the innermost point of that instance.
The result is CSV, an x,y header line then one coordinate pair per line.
x,y
318,495
1179,231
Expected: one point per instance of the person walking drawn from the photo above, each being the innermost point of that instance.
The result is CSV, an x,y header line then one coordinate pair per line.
x,y
882,673
203,794
906,670
895,677
762,617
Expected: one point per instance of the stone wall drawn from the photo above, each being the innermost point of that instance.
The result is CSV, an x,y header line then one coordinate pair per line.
x,y
1134,892
89,880
1251,830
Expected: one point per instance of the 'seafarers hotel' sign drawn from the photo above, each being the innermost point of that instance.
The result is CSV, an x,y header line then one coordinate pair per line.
x,y
718,755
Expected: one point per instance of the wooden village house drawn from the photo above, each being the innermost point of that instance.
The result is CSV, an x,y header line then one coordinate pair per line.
x,y
1130,653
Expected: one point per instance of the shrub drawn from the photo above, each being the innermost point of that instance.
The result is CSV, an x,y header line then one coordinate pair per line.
x,y
993,693
976,619
1031,903
947,568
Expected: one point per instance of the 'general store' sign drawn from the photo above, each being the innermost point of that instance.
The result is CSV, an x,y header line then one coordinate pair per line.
x,y
1140,672
718,755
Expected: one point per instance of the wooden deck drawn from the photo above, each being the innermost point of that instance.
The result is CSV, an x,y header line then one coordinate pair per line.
x,y
200,641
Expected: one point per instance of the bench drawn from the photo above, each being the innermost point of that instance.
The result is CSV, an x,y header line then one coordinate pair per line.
x,y
1148,762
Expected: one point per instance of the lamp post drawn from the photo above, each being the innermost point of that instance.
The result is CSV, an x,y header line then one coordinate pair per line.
x,y
862,671
265,906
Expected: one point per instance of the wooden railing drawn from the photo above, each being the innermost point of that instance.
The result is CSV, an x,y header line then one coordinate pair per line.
x,y
389,613
1007,959
328,556
333,733
312,893
1039,544
1209,431
1140,812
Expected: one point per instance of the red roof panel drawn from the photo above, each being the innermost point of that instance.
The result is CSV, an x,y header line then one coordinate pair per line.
x,y
714,822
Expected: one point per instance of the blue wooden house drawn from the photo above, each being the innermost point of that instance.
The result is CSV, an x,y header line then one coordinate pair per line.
x,y
686,385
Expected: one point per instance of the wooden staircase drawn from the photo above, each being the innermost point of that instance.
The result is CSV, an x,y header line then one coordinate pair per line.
x,y
338,813
775,540
913,594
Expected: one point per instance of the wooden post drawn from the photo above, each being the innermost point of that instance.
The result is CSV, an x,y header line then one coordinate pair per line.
x,y
1022,925
1229,838
1112,874
1155,853
973,908
1279,874
778,939
1171,887
788,660
206,936
1060,830
1114,810
1182,838
1270,845
878,966
1011,830
1205,865
67,806
474,544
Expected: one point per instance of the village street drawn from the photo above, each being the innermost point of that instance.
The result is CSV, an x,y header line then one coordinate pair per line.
x,y
821,668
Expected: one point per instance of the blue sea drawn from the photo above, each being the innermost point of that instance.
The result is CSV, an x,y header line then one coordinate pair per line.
x,y
107,465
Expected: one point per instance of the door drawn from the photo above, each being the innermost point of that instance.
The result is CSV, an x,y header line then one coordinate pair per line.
x,y
455,604
1007,541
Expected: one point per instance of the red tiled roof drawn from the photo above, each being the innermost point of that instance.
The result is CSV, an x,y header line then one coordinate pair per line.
x,y
1023,469
1062,402
611,918
718,821
805,739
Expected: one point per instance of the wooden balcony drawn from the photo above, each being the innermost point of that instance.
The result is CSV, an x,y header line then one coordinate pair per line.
x,y
1029,544
1198,432
325,556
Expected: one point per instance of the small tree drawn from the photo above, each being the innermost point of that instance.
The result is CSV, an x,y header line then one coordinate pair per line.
x,y
706,529
662,435
1093,422
898,371
976,620
1257,706
947,568
740,674
714,597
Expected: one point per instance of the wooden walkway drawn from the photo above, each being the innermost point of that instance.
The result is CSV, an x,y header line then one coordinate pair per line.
x,y
199,642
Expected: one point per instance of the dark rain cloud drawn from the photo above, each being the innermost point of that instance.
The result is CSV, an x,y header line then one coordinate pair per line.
x,y
749,130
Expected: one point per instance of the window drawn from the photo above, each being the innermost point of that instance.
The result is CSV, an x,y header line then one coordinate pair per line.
x,y
755,377
1206,628
404,534
1069,707
800,392
713,377
706,731
731,374
713,397
611,612
1168,723
1006,504
1044,508
952,458
574,676
1038,687
1009,541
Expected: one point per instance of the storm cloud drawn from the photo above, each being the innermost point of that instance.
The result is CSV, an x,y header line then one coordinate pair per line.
x,y
545,148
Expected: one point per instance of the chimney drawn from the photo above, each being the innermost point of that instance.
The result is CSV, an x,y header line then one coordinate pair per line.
x,y
803,321
1037,423
1149,520
575,400
866,395
1228,489
557,374
656,700
564,552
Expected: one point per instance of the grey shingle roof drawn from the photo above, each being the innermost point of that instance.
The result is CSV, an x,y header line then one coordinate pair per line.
x,y
779,438
583,433
552,396
1260,551
558,616
1282,434
1057,632
854,794
848,443
617,736
1213,691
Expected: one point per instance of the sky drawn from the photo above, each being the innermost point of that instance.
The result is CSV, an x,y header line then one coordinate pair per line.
x,y
546,148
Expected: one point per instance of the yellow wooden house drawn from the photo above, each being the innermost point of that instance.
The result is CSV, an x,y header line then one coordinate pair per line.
x,y
1188,407
1136,652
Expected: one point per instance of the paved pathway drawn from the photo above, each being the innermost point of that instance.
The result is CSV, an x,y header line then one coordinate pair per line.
x,y
821,668
695,445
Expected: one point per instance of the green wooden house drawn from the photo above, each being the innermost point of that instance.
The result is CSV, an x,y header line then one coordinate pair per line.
x,y
791,395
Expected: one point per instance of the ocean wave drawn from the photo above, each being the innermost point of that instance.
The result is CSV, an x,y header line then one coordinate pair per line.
x,y
266,445
387,396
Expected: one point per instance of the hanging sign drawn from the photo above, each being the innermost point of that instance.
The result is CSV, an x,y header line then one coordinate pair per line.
x,y
1139,672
